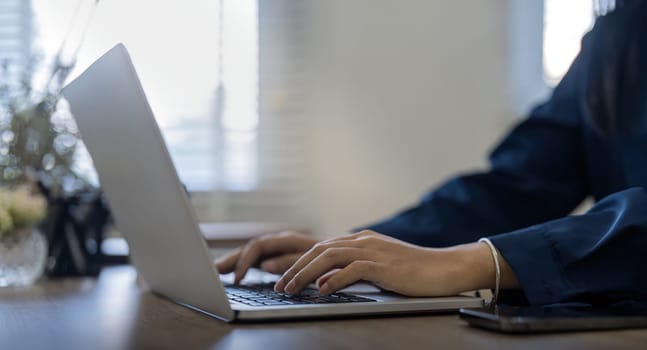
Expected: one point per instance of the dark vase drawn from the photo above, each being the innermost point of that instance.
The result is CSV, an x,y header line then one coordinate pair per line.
x,y
75,229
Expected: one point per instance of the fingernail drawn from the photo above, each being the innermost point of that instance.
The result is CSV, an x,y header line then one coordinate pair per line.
x,y
278,286
290,287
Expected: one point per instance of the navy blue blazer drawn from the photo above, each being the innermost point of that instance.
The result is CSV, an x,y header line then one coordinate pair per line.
x,y
588,140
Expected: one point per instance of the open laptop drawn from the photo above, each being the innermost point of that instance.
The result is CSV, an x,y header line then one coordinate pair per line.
x,y
153,212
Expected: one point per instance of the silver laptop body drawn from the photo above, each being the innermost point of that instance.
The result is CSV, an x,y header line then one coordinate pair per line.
x,y
153,212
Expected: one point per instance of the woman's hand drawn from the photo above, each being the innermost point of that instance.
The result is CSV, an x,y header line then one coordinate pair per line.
x,y
392,265
275,253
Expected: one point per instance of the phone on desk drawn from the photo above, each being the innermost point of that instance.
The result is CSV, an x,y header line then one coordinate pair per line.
x,y
561,318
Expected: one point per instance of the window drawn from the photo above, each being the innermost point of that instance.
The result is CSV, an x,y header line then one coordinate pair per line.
x,y
15,32
565,22
198,62
544,38
239,94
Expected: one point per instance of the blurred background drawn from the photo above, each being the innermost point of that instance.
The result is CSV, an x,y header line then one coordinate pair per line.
x,y
323,115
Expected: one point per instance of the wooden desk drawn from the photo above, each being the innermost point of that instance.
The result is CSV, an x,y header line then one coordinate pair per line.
x,y
113,313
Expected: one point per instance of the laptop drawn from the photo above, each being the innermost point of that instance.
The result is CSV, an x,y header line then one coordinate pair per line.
x,y
153,212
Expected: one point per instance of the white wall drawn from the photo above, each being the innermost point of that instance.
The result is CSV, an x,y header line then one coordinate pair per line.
x,y
401,94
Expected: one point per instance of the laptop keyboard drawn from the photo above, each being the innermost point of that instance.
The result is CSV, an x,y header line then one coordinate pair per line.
x,y
264,295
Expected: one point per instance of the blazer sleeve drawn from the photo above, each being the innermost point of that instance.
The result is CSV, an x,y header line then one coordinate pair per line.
x,y
599,257
537,173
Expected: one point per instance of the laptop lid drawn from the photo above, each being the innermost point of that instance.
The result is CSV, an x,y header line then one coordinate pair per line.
x,y
147,200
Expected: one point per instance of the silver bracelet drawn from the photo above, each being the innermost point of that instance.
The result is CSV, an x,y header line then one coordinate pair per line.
x,y
497,267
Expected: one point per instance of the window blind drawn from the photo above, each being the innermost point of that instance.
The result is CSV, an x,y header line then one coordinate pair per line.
x,y
181,58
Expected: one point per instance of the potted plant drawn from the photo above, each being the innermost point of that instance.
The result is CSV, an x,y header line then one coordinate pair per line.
x,y
39,150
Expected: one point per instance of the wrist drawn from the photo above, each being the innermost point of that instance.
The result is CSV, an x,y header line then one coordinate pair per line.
x,y
476,266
